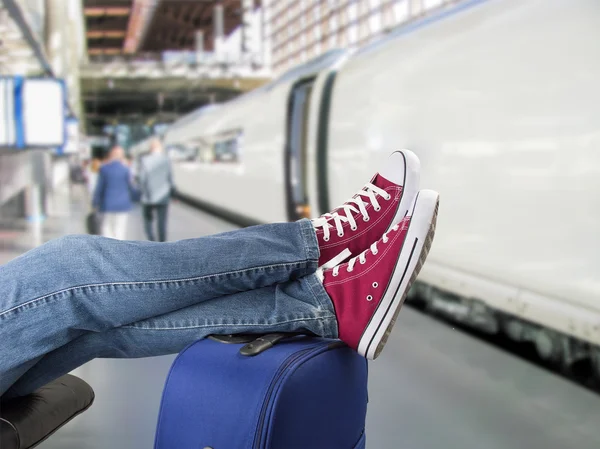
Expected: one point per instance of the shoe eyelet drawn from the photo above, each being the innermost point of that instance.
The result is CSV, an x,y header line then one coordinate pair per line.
x,y
375,252
377,209
369,298
326,239
389,197
335,274
354,228
375,285
340,234
349,270
366,218
362,263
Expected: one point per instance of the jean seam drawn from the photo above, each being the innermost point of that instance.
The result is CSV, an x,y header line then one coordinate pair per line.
x,y
325,304
309,237
201,326
150,284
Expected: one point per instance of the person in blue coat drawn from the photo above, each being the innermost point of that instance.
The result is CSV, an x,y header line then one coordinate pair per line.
x,y
112,196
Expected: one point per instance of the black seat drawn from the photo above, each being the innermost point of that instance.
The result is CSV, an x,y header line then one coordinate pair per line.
x,y
27,421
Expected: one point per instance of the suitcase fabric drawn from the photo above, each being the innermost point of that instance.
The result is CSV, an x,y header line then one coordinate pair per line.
x,y
302,393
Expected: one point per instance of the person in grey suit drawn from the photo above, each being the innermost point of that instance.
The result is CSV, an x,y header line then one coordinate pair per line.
x,y
156,185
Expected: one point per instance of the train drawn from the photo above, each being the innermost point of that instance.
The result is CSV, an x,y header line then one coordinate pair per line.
x,y
501,102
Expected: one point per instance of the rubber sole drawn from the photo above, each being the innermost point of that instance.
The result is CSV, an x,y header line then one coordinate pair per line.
x,y
414,252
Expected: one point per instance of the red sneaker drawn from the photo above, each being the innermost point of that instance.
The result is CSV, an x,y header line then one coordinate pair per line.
x,y
368,291
382,203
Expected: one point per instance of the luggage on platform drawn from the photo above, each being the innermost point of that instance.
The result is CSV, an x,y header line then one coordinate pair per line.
x,y
93,223
301,393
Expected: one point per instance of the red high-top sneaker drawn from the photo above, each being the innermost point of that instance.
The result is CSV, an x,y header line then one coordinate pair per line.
x,y
368,291
382,203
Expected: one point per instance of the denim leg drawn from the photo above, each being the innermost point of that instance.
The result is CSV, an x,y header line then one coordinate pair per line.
x,y
79,284
288,307
148,213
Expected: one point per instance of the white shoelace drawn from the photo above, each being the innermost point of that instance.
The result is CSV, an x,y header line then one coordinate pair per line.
x,y
346,211
362,256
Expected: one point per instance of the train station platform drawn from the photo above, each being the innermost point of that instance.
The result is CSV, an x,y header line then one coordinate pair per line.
x,y
435,387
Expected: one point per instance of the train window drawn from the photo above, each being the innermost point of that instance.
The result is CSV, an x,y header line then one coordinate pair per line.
x,y
226,147
179,153
221,148
401,11
352,11
352,33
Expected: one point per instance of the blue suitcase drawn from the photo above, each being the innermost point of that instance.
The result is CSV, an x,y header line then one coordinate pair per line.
x,y
301,393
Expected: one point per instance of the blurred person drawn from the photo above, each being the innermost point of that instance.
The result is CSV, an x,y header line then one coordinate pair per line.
x,y
156,185
92,170
79,172
343,275
112,196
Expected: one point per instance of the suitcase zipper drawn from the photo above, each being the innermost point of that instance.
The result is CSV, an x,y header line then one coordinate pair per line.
x,y
272,387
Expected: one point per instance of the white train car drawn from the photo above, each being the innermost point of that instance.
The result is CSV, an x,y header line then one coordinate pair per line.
x,y
254,145
500,100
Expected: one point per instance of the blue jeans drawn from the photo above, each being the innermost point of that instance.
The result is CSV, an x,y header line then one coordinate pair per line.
x,y
82,297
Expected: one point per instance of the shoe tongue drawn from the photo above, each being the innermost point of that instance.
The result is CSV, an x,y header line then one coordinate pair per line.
x,y
382,182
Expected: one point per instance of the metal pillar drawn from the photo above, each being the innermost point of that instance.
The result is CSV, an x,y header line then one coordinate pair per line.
x,y
199,45
266,39
64,45
56,36
36,192
246,28
218,27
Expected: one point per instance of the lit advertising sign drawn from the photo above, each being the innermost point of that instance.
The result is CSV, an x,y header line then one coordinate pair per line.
x,y
32,113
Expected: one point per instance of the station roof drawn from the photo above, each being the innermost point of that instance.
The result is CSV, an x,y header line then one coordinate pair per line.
x,y
135,26
153,100
126,42
21,45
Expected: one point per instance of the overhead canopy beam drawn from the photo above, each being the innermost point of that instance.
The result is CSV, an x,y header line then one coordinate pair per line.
x,y
14,10
106,11
106,23
98,34
105,51
142,13
175,23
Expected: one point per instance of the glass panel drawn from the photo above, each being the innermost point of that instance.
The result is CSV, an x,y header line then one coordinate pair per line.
x,y
352,33
401,10
352,11
375,22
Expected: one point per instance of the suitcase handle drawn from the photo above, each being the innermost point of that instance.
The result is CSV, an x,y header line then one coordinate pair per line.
x,y
235,339
254,344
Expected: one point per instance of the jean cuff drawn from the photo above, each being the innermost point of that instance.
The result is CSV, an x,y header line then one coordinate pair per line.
x,y
311,244
329,325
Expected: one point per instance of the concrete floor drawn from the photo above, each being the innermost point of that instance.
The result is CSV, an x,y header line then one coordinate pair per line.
x,y
434,387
